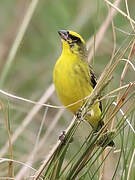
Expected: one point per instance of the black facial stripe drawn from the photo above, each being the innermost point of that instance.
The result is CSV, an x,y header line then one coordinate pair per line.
x,y
74,38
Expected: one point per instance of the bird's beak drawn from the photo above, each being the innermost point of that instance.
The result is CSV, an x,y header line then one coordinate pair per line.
x,y
64,34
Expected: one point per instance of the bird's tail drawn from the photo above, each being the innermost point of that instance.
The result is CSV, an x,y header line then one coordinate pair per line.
x,y
106,138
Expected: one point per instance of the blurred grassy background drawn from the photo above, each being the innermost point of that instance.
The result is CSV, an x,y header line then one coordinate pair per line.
x,y
30,74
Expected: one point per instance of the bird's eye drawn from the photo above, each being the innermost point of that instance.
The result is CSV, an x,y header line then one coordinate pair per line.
x,y
74,38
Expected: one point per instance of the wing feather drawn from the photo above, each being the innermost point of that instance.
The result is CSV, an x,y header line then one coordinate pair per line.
x,y
94,82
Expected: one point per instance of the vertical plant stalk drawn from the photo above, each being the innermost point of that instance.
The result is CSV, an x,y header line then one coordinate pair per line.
x,y
131,54
18,39
102,169
129,15
102,30
11,165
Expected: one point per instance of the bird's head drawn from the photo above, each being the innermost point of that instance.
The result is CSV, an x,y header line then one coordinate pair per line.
x,y
73,43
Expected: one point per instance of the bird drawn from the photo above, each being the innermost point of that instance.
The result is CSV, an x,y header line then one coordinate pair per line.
x,y
74,78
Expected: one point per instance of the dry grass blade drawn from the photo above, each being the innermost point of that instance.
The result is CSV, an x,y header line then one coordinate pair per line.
x,y
121,102
132,52
11,165
116,90
28,100
129,15
18,162
101,31
122,99
120,11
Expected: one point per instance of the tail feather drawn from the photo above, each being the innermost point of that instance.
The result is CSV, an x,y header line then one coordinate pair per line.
x,y
105,139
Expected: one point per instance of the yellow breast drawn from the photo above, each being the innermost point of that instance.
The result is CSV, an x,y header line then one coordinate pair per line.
x,y
72,82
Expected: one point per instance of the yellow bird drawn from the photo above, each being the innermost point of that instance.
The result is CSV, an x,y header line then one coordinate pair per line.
x,y
74,78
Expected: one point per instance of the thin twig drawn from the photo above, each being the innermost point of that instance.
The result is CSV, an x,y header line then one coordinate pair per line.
x,y
30,101
116,90
15,161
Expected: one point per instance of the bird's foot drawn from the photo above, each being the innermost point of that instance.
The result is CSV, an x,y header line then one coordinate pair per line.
x,y
63,139
79,114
